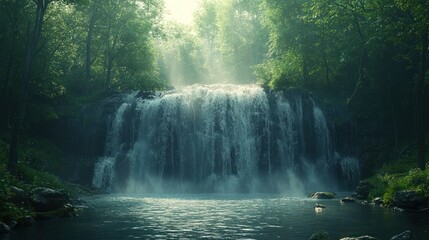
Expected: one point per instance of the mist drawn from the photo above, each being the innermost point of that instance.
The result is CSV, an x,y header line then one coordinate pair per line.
x,y
224,44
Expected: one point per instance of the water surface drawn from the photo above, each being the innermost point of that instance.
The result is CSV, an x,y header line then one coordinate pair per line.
x,y
222,216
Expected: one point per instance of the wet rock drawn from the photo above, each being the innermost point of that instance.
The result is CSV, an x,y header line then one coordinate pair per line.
x,y
18,195
408,200
407,235
363,189
347,200
322,195
4,228
377,201
322,235
12,224
26,221
46,199
318,205
66,211
366,237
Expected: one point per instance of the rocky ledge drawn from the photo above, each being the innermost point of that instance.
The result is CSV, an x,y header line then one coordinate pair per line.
x,y
41,203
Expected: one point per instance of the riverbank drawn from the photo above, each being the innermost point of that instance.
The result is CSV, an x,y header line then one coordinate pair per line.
x,y
34,195
397,184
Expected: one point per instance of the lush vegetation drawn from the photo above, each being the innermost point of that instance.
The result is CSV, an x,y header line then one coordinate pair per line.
x,y
371,55
31,173
399,174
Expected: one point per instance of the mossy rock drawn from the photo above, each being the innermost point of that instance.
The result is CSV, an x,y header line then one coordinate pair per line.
x,y
66,211
322,195
322,235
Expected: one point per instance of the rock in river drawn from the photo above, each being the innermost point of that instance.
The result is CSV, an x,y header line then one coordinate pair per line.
x,y
322,195
366,237
347,200
46,199
4,228
407,235
408,200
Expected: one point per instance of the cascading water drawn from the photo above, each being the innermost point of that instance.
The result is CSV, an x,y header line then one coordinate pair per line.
x,y
220,138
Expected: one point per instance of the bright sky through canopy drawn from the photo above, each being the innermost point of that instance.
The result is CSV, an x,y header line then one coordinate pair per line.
x,y
181,11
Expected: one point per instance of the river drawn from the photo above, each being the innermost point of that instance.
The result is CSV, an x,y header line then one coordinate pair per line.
x,y
222,216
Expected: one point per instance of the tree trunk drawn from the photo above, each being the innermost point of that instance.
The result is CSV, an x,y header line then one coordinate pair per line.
x,y
305,72
418,102
361,77
5,97
89,46
33,40
108,73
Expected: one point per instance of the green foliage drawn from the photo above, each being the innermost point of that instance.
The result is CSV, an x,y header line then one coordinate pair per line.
x,y
34,178
233,37
41,154
386,185
8,210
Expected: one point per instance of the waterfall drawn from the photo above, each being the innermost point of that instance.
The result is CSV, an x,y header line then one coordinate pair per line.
x,y
220,138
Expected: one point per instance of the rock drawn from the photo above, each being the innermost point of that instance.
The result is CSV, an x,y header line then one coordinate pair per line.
x,y
46,199
318,205
322,195
26,221
366,237
407,235
363,189
322,235
66,211
378,201
12,224
18,195
347,200
4,228
408,200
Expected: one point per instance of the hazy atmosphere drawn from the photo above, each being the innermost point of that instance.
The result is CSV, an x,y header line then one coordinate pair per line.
x,y
214,119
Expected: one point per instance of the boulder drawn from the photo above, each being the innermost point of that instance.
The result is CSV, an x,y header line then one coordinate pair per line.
x,y
347,200
363,189
12,224
322,235
65,211
318,205
18,195
4,228
46,199
407,235
26,221
378,201
366,237
322,195
408,200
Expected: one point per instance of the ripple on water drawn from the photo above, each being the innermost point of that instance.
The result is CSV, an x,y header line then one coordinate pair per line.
x,y
222,217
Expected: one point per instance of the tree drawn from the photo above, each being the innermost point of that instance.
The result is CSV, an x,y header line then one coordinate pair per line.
x,y
31,47
419,12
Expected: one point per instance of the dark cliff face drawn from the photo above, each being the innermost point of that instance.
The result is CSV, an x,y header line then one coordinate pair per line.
x,y
205,137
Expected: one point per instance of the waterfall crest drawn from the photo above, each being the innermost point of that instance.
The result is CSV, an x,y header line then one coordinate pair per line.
x,y
220,138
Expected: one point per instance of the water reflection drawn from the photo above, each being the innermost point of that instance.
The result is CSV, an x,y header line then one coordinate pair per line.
x,y
222,217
